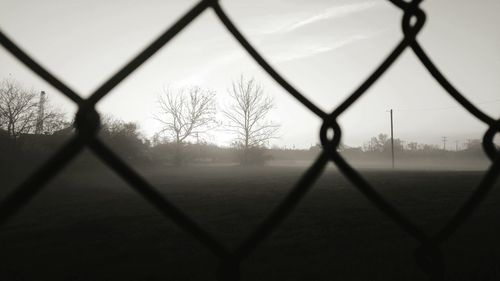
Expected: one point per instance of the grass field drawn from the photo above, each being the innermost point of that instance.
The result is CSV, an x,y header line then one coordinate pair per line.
x,y
92,226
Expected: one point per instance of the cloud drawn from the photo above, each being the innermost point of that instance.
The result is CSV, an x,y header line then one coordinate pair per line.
x,y
275,53
280,23
209,67
312,48
330,13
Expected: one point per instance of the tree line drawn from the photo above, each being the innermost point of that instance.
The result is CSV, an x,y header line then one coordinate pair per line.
x,y
382,144
28,120
30,127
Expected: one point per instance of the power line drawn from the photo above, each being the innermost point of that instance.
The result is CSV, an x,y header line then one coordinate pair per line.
x,y
446,107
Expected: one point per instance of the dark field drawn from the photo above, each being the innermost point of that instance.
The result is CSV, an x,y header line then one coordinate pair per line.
x,y
93,226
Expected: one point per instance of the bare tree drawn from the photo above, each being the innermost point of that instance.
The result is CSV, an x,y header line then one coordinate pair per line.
x,y
17,108
248,116
124,137
184,114
19,112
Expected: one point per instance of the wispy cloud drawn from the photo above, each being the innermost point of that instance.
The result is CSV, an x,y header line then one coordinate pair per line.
x,y
312,49
210,67
273,37
275,53
330,13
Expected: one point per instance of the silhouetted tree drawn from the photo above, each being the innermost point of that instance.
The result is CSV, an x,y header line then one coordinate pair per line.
x,y
413,146
19,112
382,143
184,114
248,116
123,137
473,144
18,108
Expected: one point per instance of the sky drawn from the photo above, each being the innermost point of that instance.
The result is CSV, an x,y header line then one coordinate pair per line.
x,y
323,48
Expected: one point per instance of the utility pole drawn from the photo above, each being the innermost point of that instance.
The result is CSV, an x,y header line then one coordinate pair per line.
x,y
456,145
392,140
444,142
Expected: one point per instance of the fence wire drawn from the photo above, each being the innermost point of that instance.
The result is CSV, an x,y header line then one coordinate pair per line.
x,y
428,255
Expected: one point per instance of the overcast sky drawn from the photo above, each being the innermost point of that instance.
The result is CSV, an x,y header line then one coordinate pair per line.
x,y
324,48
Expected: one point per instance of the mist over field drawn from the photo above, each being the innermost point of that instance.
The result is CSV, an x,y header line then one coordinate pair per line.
x,y
117,234
334,230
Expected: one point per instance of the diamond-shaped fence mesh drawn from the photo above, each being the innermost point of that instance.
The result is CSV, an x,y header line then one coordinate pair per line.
x,y
428,255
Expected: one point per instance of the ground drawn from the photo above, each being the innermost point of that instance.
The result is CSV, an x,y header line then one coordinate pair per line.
x,y
93,226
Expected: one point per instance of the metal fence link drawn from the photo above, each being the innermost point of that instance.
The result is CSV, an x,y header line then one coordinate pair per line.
x,y
428,256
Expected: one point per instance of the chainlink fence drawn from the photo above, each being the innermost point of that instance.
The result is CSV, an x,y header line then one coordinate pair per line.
x,y
428,255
